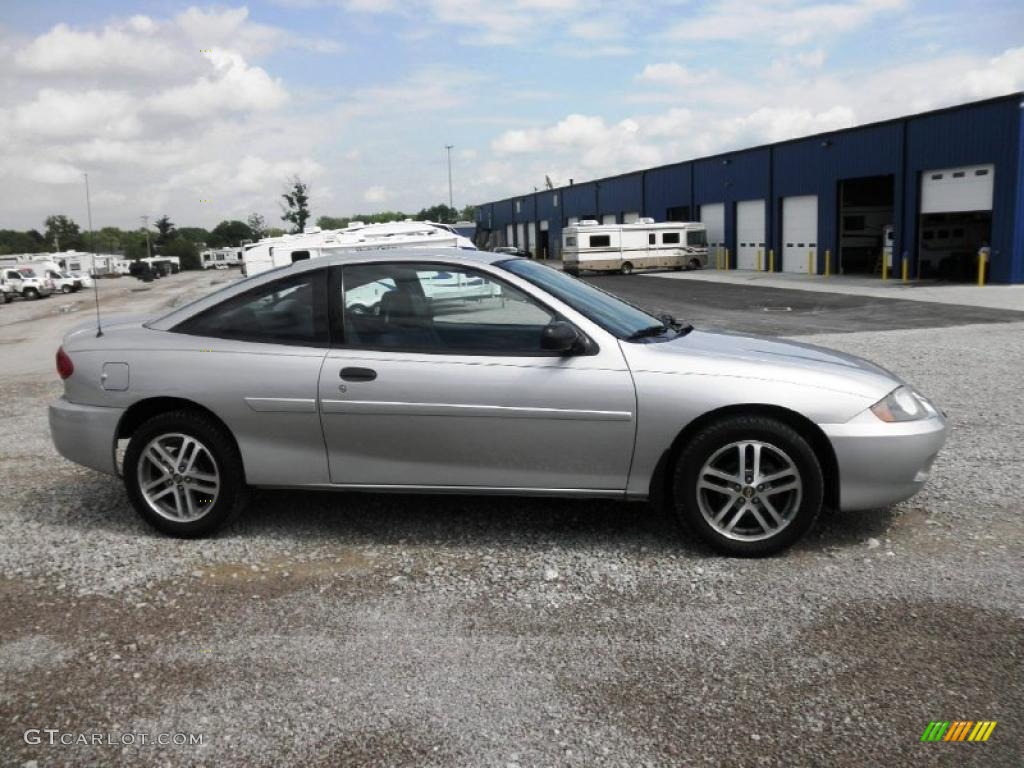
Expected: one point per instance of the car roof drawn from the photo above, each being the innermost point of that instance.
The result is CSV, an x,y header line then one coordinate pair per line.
x,y
348,256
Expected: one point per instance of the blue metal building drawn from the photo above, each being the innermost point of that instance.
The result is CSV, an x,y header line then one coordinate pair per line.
x,y
944,183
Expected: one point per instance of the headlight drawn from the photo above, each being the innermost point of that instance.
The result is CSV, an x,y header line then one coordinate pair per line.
x,y
903,404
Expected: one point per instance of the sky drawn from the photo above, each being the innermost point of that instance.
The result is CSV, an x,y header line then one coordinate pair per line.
x,y
203,112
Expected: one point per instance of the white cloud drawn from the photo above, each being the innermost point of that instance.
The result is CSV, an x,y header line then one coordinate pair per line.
x,y
674,74
376,194
782,21
233,85
56,113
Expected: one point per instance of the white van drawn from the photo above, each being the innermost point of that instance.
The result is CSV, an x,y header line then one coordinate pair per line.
x,y
24,282
641,245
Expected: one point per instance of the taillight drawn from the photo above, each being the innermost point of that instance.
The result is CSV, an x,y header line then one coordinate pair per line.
x,y
64,365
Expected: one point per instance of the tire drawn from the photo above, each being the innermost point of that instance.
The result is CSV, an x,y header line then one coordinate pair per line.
x,y
30,293
626,268
221,461
694,264
66,289
571,271
717,448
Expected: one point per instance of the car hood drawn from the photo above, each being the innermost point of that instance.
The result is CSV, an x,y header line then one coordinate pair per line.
x,y
717,353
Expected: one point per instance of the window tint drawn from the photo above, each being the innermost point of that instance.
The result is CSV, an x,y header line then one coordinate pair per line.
x,y
651,238
670,238
697,237
611,313
292,310
438,309
600,241
299,256
570,241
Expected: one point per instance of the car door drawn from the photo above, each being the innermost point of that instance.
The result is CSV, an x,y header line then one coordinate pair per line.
x,y
255,362
442,383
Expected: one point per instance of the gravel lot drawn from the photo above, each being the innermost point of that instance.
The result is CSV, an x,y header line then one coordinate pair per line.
x,y
332,630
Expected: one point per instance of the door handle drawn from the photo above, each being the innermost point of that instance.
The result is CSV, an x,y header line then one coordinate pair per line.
x,y
358,374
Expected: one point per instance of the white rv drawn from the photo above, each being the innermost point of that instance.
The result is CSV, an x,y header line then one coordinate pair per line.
x,y
626,247
220,258
313,242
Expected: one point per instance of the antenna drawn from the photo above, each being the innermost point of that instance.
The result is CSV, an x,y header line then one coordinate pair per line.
x,y
547,182
92,241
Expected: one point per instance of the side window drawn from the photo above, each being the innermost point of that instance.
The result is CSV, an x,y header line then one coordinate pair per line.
x,y
651,238
600,241
670,238
438,309
292,310
299,256
697,237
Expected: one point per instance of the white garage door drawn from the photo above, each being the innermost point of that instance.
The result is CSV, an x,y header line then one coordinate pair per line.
x,y
713,217
521,236
950,190
531,239
630,217
799,231
749,233
508,234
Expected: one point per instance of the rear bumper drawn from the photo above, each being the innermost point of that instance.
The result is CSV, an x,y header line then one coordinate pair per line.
x,y
881,464
85,434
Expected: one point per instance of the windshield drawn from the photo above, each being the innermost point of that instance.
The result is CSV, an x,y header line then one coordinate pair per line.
x,y
613,314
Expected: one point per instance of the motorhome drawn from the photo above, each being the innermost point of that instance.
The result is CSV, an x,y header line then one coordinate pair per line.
x,y
643,244
220,258
313,242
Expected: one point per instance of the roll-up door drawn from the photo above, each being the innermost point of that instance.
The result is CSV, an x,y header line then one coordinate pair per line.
x,y
799,231
749,233
952,190
713,217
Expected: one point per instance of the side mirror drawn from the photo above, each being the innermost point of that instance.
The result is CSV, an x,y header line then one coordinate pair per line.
x,y
559,336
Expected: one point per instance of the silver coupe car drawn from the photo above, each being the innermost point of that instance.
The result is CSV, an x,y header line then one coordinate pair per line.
x,y
454,371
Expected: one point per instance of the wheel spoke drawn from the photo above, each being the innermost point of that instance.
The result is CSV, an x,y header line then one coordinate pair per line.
x,y
162,493
164,477
760,519
776,476
188,502
771,510
725,508
736,518
177,502
190,460
719,475
781,488
741,470
756,469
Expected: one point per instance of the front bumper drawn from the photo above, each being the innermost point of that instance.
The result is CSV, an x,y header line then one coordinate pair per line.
x,y
882,463
85,434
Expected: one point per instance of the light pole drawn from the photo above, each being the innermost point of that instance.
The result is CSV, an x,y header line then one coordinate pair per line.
x,y
145,225
92,242
451,200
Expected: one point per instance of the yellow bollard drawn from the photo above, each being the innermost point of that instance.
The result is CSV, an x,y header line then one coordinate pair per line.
x,y
828,262
771,259
757,263
726,259
906,269
982,263
810,258
885,266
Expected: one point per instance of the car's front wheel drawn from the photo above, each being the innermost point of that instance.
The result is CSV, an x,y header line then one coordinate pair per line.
x,y
183,474
748,485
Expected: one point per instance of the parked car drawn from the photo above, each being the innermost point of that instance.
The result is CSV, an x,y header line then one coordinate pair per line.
x,y
511,250
548,386
27,284
61,281
83,278
6,292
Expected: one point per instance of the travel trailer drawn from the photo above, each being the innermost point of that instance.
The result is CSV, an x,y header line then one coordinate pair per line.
x,y
624,248
220,258
313,242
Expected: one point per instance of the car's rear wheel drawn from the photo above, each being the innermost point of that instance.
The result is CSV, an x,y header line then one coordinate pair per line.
x,y
183,474
748,486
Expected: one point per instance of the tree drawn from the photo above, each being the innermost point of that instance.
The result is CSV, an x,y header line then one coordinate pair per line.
x,y
165,230
185,250
332,222
468,213
195,235
440,213
12,241
62,234
229,233
258,225
297,209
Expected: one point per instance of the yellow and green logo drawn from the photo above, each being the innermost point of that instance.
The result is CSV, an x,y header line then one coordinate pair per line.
x,y
958,730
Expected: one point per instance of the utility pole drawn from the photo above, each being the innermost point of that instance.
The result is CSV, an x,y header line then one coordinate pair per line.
x,y
92,242
451,200
145,225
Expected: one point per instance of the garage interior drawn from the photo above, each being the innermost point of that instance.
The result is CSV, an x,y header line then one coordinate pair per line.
x,y
865,210
955,221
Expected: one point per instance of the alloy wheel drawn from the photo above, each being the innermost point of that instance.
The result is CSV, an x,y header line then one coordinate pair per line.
x,y
749,490
178,477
